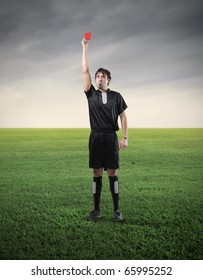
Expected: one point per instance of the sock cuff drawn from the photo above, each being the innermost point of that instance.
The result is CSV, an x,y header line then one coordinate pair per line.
x,y
113,178
97,180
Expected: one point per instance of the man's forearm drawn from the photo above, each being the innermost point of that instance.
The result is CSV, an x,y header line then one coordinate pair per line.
x,y
124,125
85,66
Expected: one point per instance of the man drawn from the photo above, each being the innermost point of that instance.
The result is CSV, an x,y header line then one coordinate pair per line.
x,y
105,106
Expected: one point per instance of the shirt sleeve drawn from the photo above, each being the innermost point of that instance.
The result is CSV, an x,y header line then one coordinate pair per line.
x,y
121,104
90,92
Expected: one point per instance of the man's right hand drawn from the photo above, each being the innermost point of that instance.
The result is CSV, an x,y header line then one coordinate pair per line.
x,y
84,43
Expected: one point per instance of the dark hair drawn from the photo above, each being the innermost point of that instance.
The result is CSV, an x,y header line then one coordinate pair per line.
x,y
104,71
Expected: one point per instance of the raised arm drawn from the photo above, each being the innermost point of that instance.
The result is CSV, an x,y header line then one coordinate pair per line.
x,y
85,67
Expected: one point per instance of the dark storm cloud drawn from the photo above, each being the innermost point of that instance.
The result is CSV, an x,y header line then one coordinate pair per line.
x,y
152,47
149,34
112,19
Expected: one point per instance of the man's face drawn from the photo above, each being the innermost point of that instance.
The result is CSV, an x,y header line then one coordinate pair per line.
x,y
101,81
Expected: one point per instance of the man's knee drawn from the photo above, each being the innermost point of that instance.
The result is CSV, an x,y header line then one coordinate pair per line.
x,y
98,172
112,172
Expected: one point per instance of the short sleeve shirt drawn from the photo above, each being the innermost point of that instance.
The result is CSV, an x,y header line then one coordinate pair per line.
x,y
104,116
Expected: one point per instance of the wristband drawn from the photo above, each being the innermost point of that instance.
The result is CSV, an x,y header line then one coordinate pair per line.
x,y
125,137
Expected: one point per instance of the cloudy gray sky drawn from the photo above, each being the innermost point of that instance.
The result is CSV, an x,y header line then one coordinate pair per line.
x,y
153,49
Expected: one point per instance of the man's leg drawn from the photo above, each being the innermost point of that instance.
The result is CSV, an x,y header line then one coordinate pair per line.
x,y
114,188
97,187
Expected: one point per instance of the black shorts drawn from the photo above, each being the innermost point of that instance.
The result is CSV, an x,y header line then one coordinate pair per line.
x,y
103,150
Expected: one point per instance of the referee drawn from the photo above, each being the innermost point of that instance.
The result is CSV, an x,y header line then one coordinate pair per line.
x,y
105,106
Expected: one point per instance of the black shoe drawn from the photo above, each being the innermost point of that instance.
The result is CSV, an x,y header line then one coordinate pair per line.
x,y
94,214
117,216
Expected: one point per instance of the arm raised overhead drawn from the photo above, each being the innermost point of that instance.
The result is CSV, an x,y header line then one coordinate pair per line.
x,y
85,67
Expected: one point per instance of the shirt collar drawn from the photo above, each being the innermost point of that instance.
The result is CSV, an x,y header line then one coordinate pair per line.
x,y
99,91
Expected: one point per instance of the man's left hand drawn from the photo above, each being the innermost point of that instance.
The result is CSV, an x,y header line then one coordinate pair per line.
x,y
123,143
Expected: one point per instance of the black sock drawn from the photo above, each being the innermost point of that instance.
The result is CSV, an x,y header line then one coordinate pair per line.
x,y
113,180
97,187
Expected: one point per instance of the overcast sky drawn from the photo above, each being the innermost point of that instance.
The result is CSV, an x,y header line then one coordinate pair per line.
x,y
153,48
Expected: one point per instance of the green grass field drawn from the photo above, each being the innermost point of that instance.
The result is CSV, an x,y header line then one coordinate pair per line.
x,y
46,190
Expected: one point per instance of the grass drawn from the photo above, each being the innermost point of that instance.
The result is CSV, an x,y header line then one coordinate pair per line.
x,y
46,190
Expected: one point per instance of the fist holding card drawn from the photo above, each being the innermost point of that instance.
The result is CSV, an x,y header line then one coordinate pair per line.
x,y
88,36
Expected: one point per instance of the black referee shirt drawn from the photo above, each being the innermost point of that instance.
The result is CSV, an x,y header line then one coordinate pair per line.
x,y
104,116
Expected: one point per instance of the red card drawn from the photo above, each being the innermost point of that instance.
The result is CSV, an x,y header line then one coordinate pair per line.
x,y
88,35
